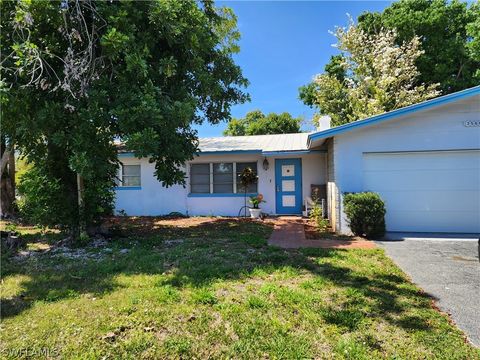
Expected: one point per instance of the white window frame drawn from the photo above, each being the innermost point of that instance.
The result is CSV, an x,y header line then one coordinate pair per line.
x,y
212,176
235,173
121,176
211,164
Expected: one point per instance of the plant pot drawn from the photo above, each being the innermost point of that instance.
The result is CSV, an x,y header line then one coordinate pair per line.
x,y
255,213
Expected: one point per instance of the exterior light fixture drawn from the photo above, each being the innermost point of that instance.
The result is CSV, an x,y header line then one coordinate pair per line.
x,y
265,164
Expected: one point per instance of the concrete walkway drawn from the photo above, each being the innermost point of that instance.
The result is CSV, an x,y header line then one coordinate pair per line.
x,y
289,233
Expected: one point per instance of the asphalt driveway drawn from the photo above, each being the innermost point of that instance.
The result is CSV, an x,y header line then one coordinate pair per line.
x,y
449,270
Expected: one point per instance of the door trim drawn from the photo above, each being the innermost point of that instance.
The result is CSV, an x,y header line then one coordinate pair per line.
x,y
297,163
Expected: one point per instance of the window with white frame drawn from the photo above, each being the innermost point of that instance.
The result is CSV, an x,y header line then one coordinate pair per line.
x,y
220,178
223,178
129,176
252,188
200,178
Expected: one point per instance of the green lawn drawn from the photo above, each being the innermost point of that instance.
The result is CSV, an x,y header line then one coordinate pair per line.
x,y
214,289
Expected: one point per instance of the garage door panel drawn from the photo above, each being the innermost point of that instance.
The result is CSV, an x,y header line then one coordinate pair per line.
x,y
416,161
427,191
431,201
431,222
425,179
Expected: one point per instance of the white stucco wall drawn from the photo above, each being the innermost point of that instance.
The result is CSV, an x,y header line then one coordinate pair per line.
x,y
441,128
153,199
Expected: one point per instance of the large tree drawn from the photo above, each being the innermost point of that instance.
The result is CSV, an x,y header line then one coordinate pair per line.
x,y
257,123
473,46
77,75
373,75
449,33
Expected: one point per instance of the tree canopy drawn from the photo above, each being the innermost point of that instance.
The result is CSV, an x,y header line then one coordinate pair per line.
x,y
257,123
446,31
77,75
373,75
448,36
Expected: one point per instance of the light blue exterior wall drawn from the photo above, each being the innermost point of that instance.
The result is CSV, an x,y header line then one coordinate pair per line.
x,y
439,128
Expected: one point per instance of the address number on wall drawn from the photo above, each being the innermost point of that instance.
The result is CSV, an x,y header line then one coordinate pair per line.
x,y
471,123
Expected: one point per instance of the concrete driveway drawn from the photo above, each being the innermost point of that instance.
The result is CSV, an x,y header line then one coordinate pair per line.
x,y
447,269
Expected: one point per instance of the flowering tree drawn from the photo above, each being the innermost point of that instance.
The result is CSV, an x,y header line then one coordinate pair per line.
x,y
373,75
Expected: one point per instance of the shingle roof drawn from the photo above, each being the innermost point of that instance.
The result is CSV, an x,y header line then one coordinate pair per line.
x,y
260,143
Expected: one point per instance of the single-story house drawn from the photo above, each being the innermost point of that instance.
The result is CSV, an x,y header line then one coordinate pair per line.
x,y
423,160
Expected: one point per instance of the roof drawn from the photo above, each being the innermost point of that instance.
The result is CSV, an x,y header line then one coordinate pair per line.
x,y
260,144
255,143
442,100
302,142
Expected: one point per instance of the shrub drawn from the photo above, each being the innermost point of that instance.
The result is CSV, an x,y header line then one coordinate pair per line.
x,y
366,214
48,198
317,216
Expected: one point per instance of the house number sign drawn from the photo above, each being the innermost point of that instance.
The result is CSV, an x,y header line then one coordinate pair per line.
x,y
471,123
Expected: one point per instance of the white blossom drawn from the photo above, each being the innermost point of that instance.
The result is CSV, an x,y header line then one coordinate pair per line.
x,y
381,75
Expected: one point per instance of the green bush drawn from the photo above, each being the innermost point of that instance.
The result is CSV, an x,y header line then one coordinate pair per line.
x,y
366,214
316,215
49,199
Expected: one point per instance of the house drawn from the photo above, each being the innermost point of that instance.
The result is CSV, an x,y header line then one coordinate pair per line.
x,y
423,160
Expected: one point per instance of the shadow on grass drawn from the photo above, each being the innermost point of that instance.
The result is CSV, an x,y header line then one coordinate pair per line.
x,y
206,252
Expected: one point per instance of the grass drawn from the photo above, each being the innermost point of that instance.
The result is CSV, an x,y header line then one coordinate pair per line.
x,y
212,288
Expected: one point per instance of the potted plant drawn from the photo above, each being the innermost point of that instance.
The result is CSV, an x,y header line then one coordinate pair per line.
x,y
256,201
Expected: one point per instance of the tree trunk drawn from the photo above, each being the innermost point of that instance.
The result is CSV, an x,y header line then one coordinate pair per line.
x,y
80,197
7,181
12,171
4,160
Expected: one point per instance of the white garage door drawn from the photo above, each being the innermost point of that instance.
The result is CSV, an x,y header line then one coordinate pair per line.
x,y
427,191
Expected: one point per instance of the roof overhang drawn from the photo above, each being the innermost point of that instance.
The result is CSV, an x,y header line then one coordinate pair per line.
x,y
241,152
442,100
259,152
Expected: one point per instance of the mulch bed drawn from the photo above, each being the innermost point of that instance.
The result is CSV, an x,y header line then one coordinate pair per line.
x,y
312,233
148,225
330,240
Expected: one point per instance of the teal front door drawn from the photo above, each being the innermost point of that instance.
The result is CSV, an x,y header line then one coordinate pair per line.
x,y
288,186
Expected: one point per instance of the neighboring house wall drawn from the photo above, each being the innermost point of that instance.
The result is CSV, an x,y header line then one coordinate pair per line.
x,y
153,199
441,128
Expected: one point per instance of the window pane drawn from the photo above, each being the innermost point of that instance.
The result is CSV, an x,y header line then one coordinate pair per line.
x,y
202,189
131,181
223,178
252,188
200,178
223,188
133,170
196,169
222,168
241,166
131,175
